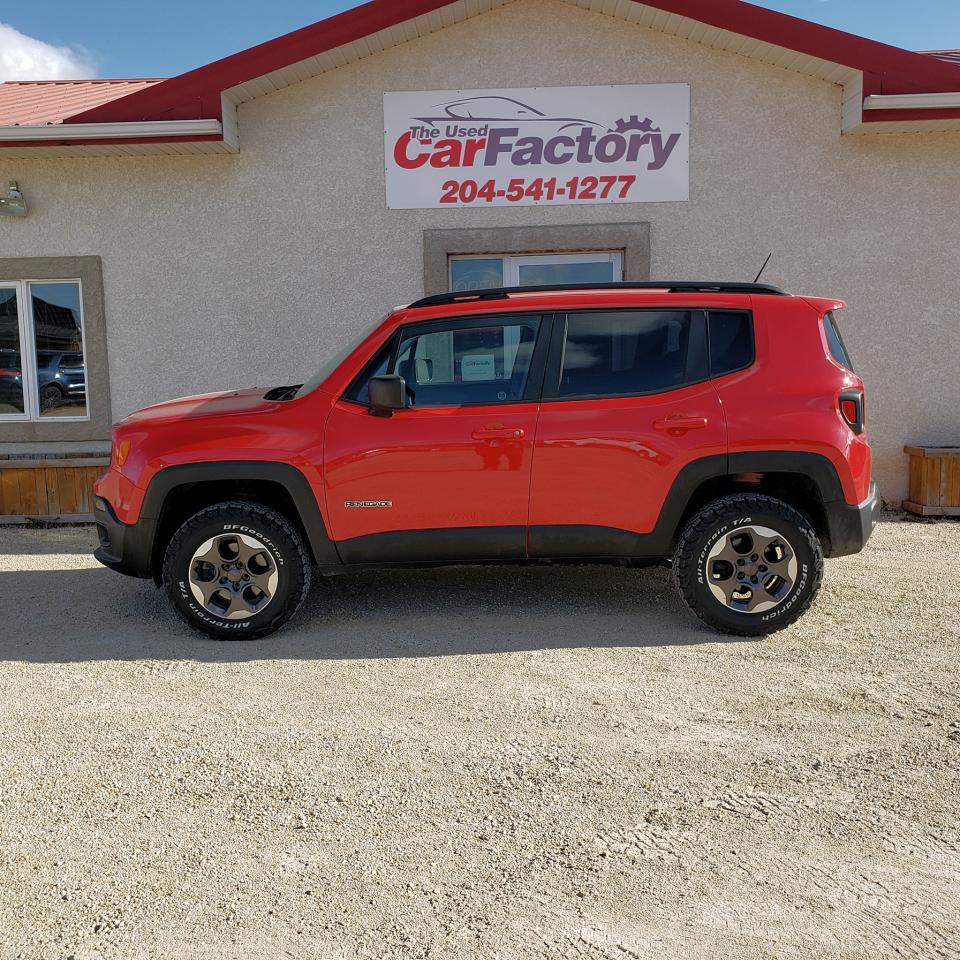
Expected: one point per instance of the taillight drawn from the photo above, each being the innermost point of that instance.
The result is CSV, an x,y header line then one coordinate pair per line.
x,y
851,409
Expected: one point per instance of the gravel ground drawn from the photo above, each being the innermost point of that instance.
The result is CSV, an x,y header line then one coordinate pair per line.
x,y
481,763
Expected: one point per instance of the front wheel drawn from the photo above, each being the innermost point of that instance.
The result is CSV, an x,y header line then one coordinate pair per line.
x,y
236,571
748,564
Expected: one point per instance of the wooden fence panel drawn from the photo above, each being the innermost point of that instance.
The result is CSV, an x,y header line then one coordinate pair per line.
x,y
934,487
49,488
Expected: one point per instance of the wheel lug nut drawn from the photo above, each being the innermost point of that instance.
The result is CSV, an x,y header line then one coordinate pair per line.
x,y
740,563
754,558
763,568
739,576
753,579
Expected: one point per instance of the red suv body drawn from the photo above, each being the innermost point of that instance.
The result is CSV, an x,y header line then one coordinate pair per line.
x,y
529,425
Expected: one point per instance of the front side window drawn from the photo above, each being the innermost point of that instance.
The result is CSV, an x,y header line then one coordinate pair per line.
x,y
467,362
376,366
624,353
42,354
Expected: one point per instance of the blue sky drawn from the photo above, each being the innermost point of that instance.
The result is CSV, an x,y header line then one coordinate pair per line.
x,y
126,38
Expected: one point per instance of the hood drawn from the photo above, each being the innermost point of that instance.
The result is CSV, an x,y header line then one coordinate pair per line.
x,y
205,405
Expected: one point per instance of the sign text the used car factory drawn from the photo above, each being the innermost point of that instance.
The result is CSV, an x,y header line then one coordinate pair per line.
x,y
544,145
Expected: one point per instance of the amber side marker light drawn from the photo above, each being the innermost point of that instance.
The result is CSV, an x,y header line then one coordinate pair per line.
x,y
123,451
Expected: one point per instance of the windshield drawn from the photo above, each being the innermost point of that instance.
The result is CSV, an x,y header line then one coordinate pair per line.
x,y
328,366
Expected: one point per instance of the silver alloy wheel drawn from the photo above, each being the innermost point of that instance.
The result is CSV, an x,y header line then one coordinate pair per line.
x,y
751,569
233,576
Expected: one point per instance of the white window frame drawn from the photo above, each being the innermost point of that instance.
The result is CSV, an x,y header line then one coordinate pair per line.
x,y
513,262
28,353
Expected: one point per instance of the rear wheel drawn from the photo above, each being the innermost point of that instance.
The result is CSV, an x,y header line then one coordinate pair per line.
x,y
236,571
51,397
748,564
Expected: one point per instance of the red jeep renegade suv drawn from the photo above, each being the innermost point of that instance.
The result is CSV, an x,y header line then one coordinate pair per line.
x,y
715,426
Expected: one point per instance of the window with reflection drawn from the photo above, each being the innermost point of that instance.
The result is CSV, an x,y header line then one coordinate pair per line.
x,y
467,362
11,363
631,352
42,353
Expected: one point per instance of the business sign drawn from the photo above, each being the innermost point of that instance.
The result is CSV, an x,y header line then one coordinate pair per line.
x,y
544,145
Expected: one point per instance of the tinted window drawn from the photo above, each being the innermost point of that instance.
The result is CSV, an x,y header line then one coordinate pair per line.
x,y
632,352
467,362
57,328
731,342
11,380
838,348
376,367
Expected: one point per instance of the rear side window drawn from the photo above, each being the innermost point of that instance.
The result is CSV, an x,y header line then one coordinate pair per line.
x,y
624,353
838,349
731,342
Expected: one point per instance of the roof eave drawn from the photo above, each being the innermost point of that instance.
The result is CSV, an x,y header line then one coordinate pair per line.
x,y
865,68
166,137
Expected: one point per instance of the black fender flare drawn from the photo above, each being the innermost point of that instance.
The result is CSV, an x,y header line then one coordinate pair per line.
x,y
818,468
168,479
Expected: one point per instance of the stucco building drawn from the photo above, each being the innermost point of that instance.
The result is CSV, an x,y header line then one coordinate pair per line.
x,y
239,223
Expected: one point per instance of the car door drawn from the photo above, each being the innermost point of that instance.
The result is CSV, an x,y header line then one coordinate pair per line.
x,y
448,478
627,404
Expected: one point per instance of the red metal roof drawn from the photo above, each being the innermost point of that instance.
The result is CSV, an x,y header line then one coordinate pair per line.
x,y
51,101
196,94
947,56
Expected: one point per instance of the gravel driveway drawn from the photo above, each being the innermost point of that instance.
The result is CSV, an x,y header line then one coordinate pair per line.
x,y
481,762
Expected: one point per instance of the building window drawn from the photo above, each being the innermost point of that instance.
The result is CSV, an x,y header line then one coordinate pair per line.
x,y
42,351
485,272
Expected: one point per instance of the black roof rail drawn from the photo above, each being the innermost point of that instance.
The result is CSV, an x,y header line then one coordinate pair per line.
x,y
671,286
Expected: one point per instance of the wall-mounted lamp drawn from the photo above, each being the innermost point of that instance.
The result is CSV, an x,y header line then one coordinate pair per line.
x,y
12,203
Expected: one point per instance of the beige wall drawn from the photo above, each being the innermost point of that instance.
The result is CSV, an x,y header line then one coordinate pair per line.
x,y
232,271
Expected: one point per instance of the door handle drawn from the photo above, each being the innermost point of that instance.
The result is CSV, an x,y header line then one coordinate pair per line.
x,y
680,423
498,433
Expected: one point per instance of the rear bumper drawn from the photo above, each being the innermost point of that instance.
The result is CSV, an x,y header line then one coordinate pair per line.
x,y
850,526
124,547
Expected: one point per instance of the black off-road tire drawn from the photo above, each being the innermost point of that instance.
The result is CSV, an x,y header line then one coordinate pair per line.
x,y
51,397
280,538
714,521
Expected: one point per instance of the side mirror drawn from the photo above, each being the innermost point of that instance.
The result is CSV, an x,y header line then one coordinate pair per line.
x,y
387,393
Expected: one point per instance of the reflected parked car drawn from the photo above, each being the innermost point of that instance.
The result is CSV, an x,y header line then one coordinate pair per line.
x,y
11,380
61,377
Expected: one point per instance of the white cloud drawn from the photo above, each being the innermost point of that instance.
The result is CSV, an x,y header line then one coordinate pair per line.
x,y
25,58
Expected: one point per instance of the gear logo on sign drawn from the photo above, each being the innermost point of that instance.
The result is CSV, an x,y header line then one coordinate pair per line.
x,y
635,123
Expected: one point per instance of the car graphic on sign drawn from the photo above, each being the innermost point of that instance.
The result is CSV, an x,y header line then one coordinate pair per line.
x,y
499,109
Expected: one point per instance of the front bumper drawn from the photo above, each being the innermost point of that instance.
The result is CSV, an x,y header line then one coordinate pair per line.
x,y
849,526
124,547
